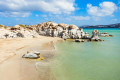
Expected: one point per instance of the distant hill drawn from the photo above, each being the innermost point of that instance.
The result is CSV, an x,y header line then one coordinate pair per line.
x,y
102,26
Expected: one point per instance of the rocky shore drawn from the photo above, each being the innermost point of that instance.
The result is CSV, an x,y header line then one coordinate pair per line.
x,y
61,30
50,29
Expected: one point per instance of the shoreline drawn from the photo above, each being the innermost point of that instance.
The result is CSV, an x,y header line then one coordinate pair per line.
x,y
16,68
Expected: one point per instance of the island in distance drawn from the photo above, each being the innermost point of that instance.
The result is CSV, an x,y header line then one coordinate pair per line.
x,y
102,26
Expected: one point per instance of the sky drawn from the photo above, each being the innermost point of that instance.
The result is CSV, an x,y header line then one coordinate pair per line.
x,y
78,12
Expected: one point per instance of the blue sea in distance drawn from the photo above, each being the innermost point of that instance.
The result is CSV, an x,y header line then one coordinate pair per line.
x,y
89,60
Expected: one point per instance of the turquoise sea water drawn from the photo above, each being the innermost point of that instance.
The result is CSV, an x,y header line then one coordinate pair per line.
x,y
89,60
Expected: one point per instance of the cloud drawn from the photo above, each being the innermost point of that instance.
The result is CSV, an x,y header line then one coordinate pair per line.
x,y
114,19
118,2
67,17
37,15
14,14
80,17
104,9
27,6
96,18
44,16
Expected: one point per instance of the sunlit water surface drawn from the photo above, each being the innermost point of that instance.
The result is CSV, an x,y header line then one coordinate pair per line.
x,y
89,60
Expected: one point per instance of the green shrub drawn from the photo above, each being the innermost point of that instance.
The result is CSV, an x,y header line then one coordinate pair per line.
x,y
49,21
1,25
21,25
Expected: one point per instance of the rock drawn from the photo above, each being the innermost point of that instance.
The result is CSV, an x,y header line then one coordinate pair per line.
x,y
86,33
16,26
20,34
95,40
72,33
64,36
105,35
64,26
53,24
78,34
6,35
51,29
73,26
77,40
55,33
94,36
31,56
61,25
81,29
35,52
111,35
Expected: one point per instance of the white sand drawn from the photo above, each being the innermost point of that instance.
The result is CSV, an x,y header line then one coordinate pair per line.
x,y
13,67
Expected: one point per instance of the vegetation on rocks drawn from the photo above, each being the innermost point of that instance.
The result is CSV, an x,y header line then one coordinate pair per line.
x,y
51,29
1,25
23,26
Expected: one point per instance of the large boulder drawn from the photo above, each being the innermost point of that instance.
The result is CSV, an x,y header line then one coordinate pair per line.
x,y
17,26
40,25
47,24
36,52
61,24
31,56
49,32
72,33
53,24
73,26
94,36
64,26
81,29
55,33
78,34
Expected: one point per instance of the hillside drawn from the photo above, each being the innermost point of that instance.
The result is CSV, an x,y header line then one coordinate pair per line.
x,y
102,26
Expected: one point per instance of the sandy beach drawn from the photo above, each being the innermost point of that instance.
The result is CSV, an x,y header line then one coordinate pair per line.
x,y
14,67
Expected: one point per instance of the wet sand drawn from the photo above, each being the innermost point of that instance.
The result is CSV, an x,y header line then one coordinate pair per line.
x,y
13,67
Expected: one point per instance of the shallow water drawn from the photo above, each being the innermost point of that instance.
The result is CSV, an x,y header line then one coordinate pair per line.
x,y
89,60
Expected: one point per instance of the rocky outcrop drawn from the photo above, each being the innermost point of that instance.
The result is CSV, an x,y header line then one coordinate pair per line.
x,y
61,30
4,33
51,29
105,34
95,36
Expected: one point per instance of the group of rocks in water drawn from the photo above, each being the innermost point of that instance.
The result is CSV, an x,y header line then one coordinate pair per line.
x,y
61,30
